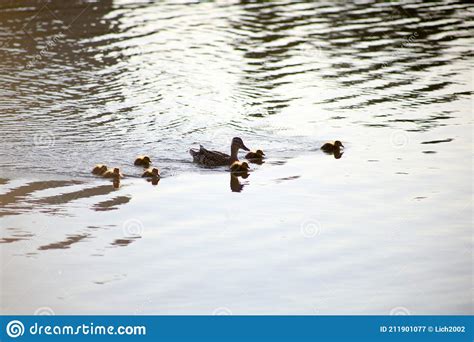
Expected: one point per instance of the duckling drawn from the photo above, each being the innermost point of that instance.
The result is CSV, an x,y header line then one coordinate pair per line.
x,y
112,173
332,147
258,154
144,161
239,167
99,169
152,172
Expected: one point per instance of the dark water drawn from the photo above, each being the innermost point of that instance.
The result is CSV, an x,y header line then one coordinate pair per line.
x,y
87,82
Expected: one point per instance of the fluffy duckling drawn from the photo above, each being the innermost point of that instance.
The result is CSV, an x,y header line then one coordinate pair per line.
x,y
144,161
99,169
151,172
332,147
239,166
258,154
112,173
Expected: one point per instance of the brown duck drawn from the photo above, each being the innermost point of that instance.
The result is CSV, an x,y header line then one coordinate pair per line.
x,y
99,169
258,155
112,173
151,172
144,161
216,158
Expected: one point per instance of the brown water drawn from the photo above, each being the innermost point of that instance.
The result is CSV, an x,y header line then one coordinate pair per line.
x,y
387,228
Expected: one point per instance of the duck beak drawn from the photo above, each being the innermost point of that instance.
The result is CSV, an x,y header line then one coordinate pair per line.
x,y
245,148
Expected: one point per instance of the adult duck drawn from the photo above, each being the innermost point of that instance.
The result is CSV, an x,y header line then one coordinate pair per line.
x,y
216,158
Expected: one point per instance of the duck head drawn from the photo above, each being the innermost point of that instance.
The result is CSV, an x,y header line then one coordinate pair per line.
x,y
338,144
237,144
260,153
116,171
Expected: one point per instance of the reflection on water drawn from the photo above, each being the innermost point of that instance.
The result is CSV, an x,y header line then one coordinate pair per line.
x,y
65,243
123,242
88,82
437,141
338,154
112,204
153,180
235,184
15,194
19,235
75,195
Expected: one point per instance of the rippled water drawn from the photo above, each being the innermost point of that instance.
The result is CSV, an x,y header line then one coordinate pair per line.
x,y
388,225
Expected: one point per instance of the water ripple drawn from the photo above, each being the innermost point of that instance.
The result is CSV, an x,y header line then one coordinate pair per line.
x,y
113,79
